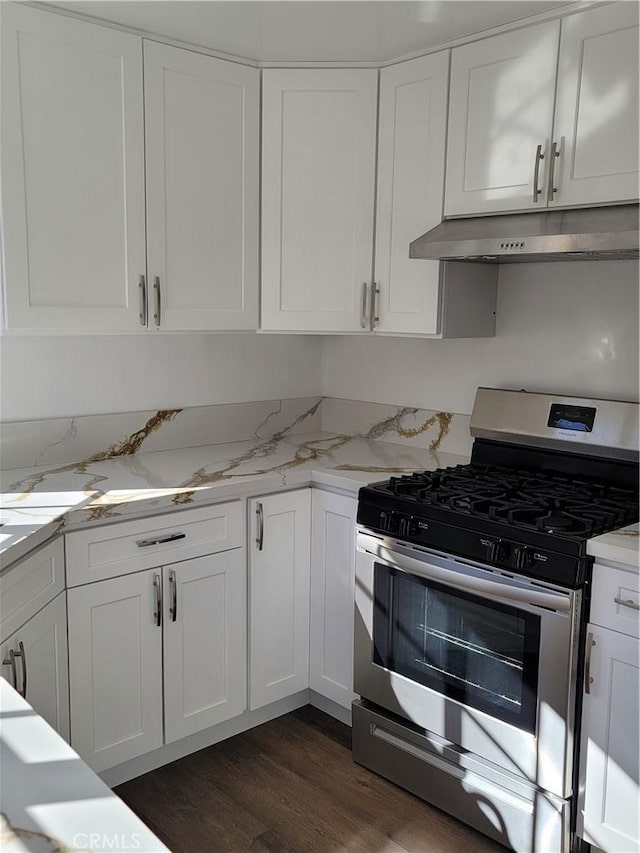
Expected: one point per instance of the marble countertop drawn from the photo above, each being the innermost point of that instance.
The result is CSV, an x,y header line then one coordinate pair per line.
x,y
49,799
620,546
38,502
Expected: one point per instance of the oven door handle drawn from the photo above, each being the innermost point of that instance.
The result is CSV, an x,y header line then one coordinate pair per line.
x,y
470,583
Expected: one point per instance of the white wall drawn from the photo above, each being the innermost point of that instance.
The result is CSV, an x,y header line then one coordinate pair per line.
x,y
568,327
43,377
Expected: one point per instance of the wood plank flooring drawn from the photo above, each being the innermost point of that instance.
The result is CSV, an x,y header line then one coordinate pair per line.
x,y
290,786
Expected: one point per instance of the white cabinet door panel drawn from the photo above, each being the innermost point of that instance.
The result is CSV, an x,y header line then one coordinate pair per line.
x,y
41,668
72,172
411,156
610,799
333,551
205,646
597,107
202,142
115,669
279,596
501,108
318,178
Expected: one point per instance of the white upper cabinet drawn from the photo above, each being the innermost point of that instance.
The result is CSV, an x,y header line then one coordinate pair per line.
x,y
507,150
202,135
411,157
500,121
318,179
78,142
72,172
596,125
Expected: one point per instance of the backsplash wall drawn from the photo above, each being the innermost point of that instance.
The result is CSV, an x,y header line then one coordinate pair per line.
x,y
58,376
567,327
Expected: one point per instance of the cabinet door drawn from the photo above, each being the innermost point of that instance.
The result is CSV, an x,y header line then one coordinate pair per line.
x,y
318,177
596,126
279,596
610,794
333,551
41,671
500,110
205,645
72,172
115,668
411,155
202,142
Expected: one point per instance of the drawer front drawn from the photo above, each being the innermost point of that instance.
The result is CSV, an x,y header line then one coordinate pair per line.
x,y
29,585
132,546
615,600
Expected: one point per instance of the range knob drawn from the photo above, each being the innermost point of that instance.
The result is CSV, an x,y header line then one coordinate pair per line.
x,y
496,550
522,557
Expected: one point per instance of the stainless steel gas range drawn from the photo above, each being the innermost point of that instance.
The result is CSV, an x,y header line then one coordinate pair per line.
x,y
472,595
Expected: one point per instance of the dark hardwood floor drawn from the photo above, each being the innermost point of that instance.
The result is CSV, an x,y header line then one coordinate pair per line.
x,y
290,785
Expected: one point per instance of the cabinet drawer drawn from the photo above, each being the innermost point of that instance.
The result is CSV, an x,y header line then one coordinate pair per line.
x,y
31,583
132,546
615,600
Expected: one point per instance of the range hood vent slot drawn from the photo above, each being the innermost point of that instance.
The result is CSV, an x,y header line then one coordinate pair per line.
x,y
595,233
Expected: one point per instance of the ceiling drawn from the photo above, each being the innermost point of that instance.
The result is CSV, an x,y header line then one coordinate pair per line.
x,y
312,30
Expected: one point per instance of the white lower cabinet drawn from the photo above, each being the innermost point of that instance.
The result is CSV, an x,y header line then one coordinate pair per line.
x,y
333,550
279,549
34,660
172,638
115,668
609,802
205,645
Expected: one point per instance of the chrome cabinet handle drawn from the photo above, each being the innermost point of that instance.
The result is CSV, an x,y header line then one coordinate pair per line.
x,y
536,173
363,307
260,536
157,613
156,290
21,654
173,607
11,661
142,287
588,680
375,292
555,153
627,602
172,537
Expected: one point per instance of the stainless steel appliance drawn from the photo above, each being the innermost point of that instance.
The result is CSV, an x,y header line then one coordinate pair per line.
x,y
598,233
472,590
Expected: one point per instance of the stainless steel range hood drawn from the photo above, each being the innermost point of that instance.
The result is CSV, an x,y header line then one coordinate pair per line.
x,y
596,233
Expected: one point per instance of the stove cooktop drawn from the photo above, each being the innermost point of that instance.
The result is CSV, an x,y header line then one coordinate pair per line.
x,y
535,523
527,500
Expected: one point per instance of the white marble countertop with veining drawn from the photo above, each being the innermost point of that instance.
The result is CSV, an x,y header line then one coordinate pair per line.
x,y
619,546
49,798
38,502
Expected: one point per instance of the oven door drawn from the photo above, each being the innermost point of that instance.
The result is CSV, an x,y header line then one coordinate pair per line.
x,y
480,658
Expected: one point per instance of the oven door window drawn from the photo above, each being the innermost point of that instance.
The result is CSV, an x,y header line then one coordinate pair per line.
x,y
481,653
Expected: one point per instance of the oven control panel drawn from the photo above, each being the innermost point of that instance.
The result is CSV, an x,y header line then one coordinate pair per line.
x,y
513,556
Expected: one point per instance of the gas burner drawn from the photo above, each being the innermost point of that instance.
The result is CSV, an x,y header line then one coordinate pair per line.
x,y
528,500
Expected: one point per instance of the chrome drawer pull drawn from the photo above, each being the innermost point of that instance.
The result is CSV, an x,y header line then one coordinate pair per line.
x,y
21,654
142,285
260,536
555,153
627,602
173,607
588,680
157,613
536,173
173,537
